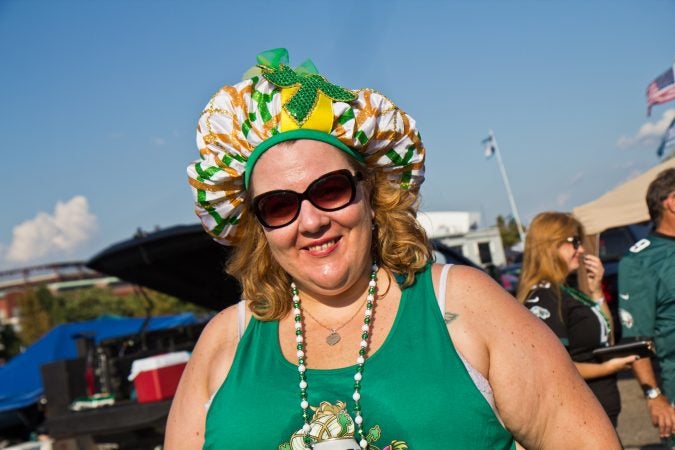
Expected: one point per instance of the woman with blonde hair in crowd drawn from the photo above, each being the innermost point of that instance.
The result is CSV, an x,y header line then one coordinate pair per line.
x,y
553,251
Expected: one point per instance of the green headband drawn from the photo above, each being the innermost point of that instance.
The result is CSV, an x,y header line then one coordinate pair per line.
x,y
292,135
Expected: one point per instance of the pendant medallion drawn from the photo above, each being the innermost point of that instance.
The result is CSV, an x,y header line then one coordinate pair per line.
x,y
333,338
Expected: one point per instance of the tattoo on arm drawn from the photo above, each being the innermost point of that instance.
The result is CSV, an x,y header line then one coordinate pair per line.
x,y
450,317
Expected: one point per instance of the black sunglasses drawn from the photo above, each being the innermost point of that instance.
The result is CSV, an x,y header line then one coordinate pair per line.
x,y
575,241
330,192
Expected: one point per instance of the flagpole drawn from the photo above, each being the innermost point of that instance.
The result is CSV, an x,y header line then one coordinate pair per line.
x,y
514,209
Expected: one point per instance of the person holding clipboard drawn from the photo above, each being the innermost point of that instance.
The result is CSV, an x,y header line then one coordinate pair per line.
x,y
582,321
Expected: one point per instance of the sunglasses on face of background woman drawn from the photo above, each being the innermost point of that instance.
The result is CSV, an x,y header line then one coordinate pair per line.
x,y
575,241
330,192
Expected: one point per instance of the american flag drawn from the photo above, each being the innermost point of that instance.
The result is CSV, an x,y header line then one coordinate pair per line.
x,y
661,90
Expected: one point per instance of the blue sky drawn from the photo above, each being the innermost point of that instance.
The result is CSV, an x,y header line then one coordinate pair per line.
x,y
99,101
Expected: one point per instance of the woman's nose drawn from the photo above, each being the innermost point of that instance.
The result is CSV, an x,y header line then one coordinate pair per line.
x,y
311,219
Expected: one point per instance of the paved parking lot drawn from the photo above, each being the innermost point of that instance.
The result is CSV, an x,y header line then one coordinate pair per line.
x,y
635,427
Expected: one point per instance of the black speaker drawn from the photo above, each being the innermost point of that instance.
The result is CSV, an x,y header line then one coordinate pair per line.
x,y
63,381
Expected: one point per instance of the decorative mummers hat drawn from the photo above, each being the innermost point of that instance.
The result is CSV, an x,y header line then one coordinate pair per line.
x,y
274,104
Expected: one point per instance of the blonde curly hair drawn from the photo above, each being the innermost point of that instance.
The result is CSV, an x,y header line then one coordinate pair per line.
x,y
400,246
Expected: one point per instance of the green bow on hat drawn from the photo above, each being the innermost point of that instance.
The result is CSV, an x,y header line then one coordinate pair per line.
x,y
275,69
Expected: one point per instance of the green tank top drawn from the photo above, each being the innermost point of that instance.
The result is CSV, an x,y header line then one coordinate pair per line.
x,y
415,390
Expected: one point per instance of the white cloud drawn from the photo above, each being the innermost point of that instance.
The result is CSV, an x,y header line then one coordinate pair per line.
x,y
562,199
649,133
60,233
577,178
158,142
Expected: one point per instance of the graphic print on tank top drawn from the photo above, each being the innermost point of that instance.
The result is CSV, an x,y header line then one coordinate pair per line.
x,y
333,424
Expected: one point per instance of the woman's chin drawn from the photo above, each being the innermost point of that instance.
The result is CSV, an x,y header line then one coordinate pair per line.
x,y
332,282
333,285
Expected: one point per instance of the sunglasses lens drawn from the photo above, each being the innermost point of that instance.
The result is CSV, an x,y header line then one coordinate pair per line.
x,y
332,192
575,241
278,208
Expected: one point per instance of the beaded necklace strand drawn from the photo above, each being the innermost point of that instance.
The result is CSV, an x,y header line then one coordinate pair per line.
x,y
360,360
586,300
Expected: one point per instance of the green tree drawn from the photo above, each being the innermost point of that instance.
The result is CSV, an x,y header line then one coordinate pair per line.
x,y
508,229
40,310
10,344
34,317
87,304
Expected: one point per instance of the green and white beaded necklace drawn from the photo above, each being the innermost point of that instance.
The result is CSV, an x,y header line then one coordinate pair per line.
x,y
586,300
360,360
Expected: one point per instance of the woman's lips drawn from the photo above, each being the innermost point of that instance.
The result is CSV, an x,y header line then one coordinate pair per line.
x,y
323,247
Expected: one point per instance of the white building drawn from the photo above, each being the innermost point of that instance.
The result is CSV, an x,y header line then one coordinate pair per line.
x,y
460,231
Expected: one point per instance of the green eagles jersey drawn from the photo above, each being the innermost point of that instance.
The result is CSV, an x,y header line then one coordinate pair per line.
x,y
647,299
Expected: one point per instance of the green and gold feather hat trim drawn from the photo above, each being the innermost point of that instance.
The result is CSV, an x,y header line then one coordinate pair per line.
x,y
274,104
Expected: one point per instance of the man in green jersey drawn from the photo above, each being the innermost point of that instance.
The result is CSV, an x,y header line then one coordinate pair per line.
x,y
647,300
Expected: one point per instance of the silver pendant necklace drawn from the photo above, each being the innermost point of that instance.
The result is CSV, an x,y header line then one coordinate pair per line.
x,y
334,337
309,440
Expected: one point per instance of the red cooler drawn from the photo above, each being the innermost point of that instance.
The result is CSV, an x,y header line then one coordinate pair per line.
x,y
156,378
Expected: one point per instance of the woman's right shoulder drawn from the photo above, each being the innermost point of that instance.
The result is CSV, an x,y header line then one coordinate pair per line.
x,y
217,345
541,289
206,370
543,302
221,328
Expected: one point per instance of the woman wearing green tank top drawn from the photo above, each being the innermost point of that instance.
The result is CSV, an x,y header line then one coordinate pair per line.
x,y
340,343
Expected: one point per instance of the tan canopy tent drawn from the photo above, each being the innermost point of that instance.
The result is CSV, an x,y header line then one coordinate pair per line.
x,y
623,205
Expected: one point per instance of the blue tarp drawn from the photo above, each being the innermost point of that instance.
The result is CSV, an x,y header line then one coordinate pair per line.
x,y
20,379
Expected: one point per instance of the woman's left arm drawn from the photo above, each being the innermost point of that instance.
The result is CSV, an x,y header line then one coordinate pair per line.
x,y
552,407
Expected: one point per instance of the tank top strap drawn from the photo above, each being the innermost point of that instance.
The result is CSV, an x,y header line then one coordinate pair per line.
x,y
241,317
443,282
